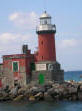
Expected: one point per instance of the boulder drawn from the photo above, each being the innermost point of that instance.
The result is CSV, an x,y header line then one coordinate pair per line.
x,y
39,96
72,90
35,89
65,93
57,97
61,89
47,86
18,98
50,91
48,97
21,90
80,96
31,98
41,89
74,97
56,85
14,91
56,90
80,87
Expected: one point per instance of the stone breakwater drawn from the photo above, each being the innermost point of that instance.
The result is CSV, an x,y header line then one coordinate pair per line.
x,y
50,91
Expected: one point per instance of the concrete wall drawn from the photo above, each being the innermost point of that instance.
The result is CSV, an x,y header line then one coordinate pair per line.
x,y
56,74
11,76
22,75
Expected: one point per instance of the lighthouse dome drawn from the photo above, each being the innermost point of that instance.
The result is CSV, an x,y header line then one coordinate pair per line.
x,y
45,24
45,15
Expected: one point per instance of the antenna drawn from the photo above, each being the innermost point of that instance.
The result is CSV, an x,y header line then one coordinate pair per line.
x,y
45,5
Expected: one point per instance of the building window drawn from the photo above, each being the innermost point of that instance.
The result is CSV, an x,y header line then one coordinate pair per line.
x,y
42,57
42,42
15,66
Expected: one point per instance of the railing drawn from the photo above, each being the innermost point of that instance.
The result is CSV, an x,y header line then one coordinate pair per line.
x,y
46,27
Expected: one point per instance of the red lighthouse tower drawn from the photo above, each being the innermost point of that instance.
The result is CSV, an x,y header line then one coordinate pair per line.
x,y
46,39
46,65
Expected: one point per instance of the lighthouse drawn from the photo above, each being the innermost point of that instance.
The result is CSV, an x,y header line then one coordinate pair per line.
x,y
46,39
46,65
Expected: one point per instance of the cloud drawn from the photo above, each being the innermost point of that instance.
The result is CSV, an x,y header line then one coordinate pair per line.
x,y
67,43
24,20
67,47
7,37
14,16
11,43
68,53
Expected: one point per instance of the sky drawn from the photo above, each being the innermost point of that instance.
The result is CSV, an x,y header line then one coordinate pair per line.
x,y
18,21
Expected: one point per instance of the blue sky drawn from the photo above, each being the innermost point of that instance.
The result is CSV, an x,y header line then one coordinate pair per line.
x,y
18,20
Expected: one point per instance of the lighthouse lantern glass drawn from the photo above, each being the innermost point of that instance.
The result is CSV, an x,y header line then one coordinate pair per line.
x,y
45,21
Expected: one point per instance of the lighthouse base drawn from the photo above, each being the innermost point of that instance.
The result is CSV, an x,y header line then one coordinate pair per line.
x,y
50,71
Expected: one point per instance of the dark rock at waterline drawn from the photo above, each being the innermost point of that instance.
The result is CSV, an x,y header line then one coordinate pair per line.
x,y
47,97
80,96
71,91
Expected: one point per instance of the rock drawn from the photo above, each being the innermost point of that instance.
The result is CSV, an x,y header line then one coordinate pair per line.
x,y
41,89
35,89
72,90
61,89
5,94
39,96
21,90
6,89
56,85
57,97
47,97
1,94
56,90
27,92
12,96
14,91
18,98
74,97
80,96
50,91
65,93
49,83
31,98
74,84
47,86
5,97
70,98
80,87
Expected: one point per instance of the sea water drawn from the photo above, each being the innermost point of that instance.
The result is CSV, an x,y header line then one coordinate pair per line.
x,y
42,106
73,75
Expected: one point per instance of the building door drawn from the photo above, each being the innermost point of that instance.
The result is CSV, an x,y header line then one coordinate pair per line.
x,y
41,79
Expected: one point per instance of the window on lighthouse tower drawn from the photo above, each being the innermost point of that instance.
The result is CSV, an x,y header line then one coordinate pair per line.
x,y
42,42
45,21
42,57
